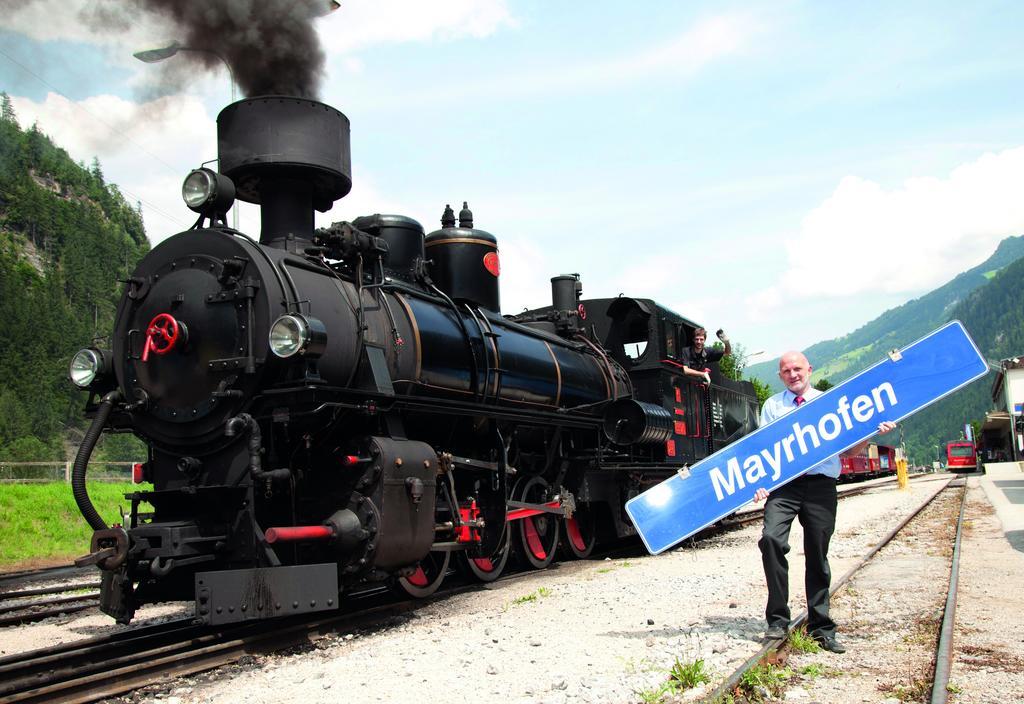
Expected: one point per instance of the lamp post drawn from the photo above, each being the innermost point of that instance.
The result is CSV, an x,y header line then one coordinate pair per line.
x,y
744,359
152,56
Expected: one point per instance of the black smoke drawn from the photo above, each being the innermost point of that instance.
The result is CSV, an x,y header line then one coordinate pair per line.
x,y
271,45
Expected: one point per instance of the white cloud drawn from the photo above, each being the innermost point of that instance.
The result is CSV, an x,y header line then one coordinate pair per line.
x,y
146,149
684,55
866,239
81,21
358,24
355,25
525,274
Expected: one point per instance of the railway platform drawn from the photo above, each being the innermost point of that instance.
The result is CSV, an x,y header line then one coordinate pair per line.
x,y
1003,483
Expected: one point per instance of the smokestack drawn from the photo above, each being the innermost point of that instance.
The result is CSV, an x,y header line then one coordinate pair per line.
x,y
289,155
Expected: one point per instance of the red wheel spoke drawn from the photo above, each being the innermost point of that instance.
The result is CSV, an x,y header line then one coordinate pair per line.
x,y
419,577
533,539
574,534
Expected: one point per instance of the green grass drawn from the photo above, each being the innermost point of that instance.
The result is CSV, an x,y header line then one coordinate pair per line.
x,y
841,363
681,677
689,674
655,695
766,677
40,523
614,566
803,643
632,666
532,596
916,689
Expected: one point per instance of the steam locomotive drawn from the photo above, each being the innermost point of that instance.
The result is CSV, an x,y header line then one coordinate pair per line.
x,y
325,408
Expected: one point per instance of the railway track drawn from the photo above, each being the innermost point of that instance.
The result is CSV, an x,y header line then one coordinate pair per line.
x,y
97,668
845,491
34,595
775,650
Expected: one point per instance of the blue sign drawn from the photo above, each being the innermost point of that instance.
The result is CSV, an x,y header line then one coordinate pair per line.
x,y
898,386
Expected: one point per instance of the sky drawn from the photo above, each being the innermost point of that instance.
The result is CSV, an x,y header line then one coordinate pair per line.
x,y
784,170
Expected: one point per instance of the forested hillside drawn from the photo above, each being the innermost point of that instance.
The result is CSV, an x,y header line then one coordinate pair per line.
x,y
994,316
66,238
842,357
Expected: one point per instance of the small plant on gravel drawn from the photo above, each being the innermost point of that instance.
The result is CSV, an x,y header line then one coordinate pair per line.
x,y
690,674
819,670
813,670
632,666
924,630
764,679
655,695
916,690
803,643
532,596
953,688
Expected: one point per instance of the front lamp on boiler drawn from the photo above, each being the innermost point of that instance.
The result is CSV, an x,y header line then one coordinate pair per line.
x,y
89,365
296,334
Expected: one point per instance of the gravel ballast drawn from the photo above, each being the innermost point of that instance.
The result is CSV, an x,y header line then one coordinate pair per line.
x,y
609,630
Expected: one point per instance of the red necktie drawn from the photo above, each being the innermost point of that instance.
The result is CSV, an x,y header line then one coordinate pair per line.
x,y
799,399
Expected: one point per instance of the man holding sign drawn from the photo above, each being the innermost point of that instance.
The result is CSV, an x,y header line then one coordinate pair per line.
x,y
812,497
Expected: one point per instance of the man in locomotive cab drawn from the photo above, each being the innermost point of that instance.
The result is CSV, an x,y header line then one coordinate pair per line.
x,y
697,358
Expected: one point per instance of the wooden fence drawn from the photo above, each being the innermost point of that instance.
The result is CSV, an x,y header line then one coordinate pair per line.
x,y
55,471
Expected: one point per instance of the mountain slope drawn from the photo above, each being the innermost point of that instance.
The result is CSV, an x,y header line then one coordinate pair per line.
x,y
986,299
842,357
994,317
66,238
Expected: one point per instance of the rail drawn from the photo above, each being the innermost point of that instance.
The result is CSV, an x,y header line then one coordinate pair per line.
x,y
729,685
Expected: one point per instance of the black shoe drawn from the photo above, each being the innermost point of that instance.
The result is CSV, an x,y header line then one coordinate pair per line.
x,y
775,633
830,644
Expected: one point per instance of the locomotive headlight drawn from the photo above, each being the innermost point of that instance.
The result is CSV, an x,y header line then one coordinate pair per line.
x,y
86,365
205,191
297,334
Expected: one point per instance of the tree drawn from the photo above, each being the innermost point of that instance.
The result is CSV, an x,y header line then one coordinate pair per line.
x,y
762,390
96,170
55,295
823,384
731,365
7,108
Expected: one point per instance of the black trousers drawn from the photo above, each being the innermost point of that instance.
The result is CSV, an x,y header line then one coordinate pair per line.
x,y
812,498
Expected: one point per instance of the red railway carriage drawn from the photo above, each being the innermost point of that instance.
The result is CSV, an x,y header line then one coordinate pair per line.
x,y
962,456
877,461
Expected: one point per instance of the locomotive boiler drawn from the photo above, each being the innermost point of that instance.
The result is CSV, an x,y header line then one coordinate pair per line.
x,y
325,408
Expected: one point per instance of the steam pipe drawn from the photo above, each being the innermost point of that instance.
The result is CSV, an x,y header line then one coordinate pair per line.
x,y
78,488
241,423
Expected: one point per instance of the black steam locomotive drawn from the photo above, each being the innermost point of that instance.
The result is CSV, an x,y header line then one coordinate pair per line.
x,y
330,407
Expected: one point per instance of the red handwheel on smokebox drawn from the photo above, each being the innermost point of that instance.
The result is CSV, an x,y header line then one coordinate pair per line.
x,y
162,335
